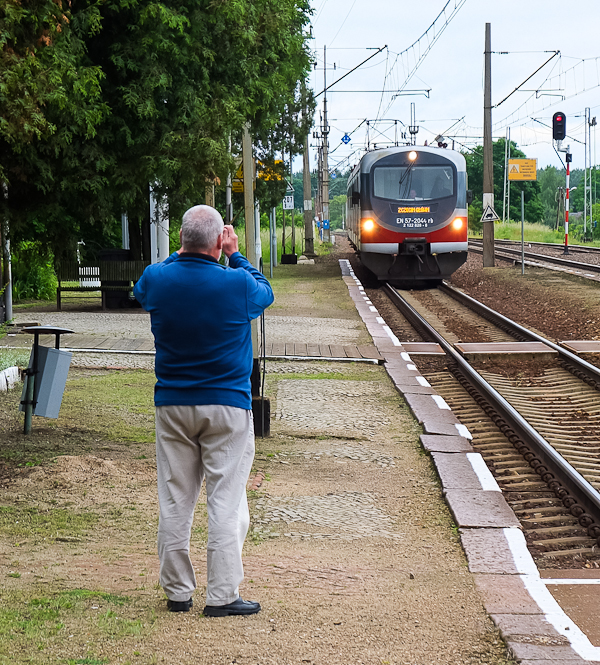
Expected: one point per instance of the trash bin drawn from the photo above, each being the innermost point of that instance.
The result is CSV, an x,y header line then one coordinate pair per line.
x,y
119,298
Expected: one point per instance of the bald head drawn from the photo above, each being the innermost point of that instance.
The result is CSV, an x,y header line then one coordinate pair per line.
x,y
201,227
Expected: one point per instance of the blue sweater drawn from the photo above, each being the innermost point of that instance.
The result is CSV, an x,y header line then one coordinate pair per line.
x,y
200,313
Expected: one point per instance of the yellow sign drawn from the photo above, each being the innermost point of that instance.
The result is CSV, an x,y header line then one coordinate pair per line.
x,y
522,169
409,209
237,182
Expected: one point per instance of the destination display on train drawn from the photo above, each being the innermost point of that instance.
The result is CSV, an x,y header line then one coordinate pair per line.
x,y
411,210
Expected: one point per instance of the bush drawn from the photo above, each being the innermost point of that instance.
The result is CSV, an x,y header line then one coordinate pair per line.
x,y
33,272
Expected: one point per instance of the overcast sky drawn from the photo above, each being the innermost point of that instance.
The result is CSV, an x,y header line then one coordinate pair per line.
x,y
453,71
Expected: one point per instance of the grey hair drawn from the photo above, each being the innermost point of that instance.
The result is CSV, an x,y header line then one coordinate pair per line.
x,y
200,228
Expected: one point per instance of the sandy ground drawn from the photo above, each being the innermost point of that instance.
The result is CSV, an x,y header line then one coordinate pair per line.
x,y
351,551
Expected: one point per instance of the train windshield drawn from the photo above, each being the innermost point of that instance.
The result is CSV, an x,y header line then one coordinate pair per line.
x,y
416,183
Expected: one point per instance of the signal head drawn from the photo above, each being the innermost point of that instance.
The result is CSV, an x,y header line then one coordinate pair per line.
x,y
559,126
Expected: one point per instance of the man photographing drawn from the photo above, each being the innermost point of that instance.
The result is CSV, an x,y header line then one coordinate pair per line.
x,y
201,313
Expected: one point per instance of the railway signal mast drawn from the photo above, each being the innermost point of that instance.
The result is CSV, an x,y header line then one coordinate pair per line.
x,y
559,132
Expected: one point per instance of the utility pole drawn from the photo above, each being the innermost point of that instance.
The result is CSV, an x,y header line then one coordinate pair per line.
x,y
488,161
309,241
325,167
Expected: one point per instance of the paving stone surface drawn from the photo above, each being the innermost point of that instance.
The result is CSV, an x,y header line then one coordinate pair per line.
x,y
554,654
344,516
337,451
316,331
313,405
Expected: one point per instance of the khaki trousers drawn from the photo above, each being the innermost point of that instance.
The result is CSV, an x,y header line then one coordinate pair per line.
x,y
192,443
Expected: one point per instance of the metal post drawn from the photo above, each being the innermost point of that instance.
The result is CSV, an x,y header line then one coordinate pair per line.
x,y
585,173
568,160
309,240
274,238
522,232
124,231
6,269
488,158
153,230
505,177
508,187
326,236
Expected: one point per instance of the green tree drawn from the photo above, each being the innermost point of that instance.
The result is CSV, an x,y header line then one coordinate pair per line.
x,y
175,81
531,189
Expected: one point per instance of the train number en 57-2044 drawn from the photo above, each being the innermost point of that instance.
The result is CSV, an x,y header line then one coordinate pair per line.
x,y
414,222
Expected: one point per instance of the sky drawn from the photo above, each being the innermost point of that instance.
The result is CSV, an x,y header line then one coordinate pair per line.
x,y
452,70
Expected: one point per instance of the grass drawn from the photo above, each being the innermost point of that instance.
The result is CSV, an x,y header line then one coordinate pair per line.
x,y
534,233
32,523
14,358
36,629
117,404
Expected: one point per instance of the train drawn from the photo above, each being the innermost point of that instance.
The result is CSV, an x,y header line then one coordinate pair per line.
x,y
406,213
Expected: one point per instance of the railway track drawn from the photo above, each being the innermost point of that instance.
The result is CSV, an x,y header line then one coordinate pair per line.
x,y
537,425
514,254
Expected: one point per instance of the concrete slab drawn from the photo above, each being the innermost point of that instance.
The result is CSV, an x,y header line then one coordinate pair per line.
x,y
414,389
582,346
536,652
455,471
431,426
424,348
570,661
446,444
488,552
534,626
424,407
472,508
503,349
505,594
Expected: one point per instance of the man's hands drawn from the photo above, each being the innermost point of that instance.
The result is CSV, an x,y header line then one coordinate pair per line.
x,y
230,240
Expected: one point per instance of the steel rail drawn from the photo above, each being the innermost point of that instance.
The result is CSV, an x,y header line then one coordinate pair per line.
x,y
504,323
579,488
543,258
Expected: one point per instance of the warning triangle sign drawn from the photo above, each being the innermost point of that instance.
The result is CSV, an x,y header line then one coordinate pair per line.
x,y
489,215
514,168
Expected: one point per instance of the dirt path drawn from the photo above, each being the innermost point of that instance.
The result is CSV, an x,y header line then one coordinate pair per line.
x,y
351,552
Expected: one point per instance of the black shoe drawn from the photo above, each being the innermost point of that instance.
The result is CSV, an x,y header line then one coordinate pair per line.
x,y
238,606
179,605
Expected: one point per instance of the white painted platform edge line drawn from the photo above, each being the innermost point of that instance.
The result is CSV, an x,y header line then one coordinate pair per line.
x,y
549,581
522,558
423,381
390,334
373,309
441,402
561,622
405,356
380,320
484,475
412,368
463,431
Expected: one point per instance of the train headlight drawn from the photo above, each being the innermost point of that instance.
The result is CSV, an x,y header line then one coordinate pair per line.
x,y
412,155
368,225
458,223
